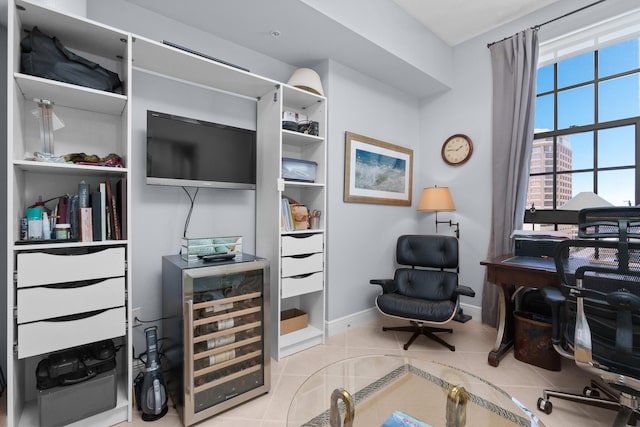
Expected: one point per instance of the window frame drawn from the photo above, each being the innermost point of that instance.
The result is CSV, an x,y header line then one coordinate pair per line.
x,y
557,216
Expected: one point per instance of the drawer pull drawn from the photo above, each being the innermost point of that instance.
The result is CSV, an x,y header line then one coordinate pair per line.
x,y
301,235
78,316
301,256
75,285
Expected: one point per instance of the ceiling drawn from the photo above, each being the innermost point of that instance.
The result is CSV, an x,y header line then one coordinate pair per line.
x,y
456,21
306,35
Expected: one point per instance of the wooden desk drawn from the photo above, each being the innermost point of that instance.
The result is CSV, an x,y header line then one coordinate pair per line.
x,y
509,272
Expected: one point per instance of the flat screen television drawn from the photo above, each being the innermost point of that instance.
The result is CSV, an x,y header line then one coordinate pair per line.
x,y
195,153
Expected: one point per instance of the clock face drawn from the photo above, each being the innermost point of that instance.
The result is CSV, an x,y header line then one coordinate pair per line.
x,y
457,149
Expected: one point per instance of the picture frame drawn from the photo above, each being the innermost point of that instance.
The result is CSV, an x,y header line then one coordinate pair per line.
x,y
377,171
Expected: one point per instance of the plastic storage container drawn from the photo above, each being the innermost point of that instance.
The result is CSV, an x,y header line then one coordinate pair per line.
x,y
298,170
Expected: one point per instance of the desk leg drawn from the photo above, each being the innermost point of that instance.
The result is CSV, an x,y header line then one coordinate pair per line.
x,y
504,340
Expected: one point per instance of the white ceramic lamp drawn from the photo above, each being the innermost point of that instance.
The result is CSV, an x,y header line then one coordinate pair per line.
x,y
306,79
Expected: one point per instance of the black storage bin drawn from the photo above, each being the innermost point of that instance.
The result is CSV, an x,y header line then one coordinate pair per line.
x,y
532,332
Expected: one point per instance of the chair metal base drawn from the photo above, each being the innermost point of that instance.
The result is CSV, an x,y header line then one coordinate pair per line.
x,y
420,329
591,396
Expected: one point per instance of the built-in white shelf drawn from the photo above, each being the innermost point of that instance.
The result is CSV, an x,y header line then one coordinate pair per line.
x,y
70,95
176,63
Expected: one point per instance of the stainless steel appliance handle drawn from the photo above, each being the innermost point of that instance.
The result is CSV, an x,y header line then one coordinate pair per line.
x,y
188,351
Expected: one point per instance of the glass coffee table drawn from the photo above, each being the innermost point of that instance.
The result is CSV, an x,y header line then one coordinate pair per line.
x,y
367,390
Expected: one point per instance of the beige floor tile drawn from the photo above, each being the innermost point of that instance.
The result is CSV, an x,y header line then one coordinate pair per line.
x,y
473,340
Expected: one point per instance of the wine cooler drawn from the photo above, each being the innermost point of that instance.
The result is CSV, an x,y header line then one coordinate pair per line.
x,y
215,330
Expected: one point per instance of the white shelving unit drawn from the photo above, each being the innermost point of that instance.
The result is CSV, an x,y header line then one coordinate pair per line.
x,y
34,326
98,122
298,257
273,143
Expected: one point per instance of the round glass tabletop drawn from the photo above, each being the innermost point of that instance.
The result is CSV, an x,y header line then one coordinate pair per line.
x,y
381,390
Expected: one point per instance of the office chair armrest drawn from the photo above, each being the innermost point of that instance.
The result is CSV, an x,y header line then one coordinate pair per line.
x,y
464,290
388,285
556,300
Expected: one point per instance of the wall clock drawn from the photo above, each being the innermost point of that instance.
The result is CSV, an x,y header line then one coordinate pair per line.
x,y
457,149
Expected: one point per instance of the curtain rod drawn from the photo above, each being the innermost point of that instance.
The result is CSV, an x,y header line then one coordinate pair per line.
x,y
536,27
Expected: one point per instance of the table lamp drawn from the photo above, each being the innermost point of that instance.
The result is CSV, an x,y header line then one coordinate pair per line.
x,y
438,199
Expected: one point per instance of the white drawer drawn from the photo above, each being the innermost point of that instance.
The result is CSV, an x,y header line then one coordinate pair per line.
x,y
40,268
301,244
292,286
45,336
38,303
294,266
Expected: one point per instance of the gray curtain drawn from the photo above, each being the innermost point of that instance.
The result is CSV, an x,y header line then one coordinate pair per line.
x,y
514,64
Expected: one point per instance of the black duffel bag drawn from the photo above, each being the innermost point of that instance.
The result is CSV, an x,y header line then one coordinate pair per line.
x,y
75,365
45,56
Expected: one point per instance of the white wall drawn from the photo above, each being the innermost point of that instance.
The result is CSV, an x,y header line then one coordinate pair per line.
x,y
361,237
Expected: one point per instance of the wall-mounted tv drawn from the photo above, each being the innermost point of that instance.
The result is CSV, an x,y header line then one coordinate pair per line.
x,y
195,153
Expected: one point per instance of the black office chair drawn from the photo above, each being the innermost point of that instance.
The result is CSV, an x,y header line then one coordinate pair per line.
x,y
596,312
425,291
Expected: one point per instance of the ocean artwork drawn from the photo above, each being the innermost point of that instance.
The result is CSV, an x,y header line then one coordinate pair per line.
x,y
374,171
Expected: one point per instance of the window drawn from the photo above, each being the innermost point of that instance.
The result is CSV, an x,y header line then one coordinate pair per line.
x,y
587,131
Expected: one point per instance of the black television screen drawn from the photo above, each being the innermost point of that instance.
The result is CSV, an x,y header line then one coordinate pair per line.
x,y
189,152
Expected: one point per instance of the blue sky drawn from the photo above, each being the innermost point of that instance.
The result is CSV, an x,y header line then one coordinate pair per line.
x,y
618,98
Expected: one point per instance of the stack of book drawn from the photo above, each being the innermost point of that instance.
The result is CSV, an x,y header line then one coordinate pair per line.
x,y
94,214
286,219
293,216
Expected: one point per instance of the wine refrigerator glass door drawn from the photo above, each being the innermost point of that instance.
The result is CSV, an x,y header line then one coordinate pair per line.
x,y
225,346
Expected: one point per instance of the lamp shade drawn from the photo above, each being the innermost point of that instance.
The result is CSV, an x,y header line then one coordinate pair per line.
x,y
436,199
585,199
306,79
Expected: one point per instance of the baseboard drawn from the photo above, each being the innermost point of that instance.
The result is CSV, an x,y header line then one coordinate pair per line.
x,y
472,310
337,326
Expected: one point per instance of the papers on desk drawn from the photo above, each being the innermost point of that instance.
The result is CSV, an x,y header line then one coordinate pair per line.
x,y
540,234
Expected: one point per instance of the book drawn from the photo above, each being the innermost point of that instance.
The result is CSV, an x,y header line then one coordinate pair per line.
x,y
63,210
103,208
116,218
85,224
121,193
96,215
73,216
83,194
288,218
113,212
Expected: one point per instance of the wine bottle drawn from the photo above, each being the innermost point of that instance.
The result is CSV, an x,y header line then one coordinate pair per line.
x,y
215,326
213,359
214,342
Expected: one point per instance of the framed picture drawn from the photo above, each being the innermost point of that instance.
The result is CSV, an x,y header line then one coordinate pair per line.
x,y
376,171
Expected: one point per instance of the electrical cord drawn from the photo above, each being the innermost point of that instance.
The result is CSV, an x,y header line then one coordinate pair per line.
x,y
193,200
137,319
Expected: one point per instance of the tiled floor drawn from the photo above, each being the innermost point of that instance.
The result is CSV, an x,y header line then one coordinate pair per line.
x,y
472,340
